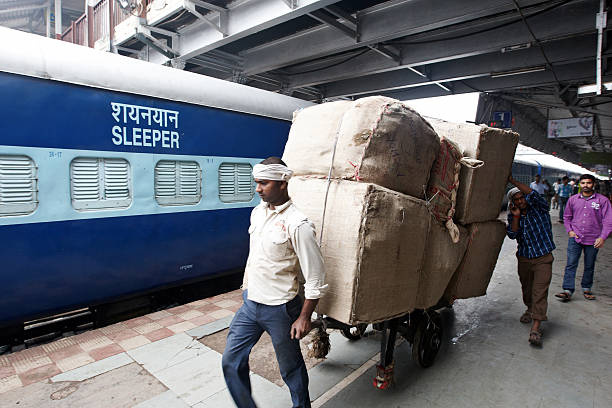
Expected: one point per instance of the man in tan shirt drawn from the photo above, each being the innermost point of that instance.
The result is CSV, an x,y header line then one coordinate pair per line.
x,y
282,246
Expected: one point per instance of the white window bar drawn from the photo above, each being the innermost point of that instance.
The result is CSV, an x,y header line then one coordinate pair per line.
x,y
18,185
178,182
99,183
236,182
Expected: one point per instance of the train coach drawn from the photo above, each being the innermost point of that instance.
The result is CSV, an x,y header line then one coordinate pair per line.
x,y
119,177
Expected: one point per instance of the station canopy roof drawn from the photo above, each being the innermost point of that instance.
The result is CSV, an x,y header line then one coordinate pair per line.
x,y
533,58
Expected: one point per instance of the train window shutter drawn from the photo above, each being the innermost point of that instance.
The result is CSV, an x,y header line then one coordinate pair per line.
x,y
18,185
178,182
236,182
100,183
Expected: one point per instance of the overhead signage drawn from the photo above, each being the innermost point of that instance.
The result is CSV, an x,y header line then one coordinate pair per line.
x,y
501,119
571,127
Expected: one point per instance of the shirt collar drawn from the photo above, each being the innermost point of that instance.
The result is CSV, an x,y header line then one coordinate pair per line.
x,y
587,198
279,208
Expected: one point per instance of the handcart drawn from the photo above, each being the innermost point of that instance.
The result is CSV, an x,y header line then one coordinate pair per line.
x,y
421,328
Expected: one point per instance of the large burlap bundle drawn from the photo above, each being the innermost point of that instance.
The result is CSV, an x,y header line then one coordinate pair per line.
x,y
474,273
377,140
442,257
373,245
444,183
481,190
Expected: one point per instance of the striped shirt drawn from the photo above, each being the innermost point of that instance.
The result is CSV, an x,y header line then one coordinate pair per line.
x,y
534,235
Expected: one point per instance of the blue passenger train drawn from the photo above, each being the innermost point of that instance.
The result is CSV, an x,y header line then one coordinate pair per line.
x,y
119,177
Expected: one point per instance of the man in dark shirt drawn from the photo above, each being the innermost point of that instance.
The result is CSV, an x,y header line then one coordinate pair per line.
x,y
529,223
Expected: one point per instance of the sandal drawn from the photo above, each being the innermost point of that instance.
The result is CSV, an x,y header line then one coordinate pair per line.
x,y
535,338
525,318
564,296
588,295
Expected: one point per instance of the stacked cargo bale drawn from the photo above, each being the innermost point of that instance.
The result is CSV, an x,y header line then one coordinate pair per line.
x,y
376,140
373,243
479,200
384,192
361,171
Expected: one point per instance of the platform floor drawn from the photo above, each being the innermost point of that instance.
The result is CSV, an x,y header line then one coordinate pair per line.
x,y
172,359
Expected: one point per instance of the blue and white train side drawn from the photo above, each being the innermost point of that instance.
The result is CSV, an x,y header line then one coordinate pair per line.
x,y
118,176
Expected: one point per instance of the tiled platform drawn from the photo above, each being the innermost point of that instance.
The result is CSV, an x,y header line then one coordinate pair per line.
x,y
42,362
485,359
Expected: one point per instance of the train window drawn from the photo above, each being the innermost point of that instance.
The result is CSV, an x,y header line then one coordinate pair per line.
x,y
18,185
236,182
178,182
98,183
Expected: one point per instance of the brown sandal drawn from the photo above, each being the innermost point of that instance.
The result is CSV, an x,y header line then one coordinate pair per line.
x,y
564,296
535,338
588,295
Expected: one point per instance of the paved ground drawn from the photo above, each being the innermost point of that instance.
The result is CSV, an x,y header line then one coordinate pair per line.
x,y
485,359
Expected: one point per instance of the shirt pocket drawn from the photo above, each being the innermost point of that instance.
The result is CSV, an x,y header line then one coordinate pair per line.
x,y
276,245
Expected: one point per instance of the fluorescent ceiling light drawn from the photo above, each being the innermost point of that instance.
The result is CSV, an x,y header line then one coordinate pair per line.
x,y
591,90
518,71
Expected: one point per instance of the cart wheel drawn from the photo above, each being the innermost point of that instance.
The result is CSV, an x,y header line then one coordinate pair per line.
x,y
427,339
355,332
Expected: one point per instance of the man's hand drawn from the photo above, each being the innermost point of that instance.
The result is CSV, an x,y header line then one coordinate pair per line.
x,y
514,209
301,327
599,243
572,234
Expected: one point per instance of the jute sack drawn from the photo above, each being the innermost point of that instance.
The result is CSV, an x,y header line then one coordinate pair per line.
x,y
442,257
444,182
474,273
375,140
373,242
481,190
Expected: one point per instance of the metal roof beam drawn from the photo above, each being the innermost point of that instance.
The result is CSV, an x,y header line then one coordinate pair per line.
x,y
221,26
573,72
208,6
565,51
243,19
325,18
426,53
341,13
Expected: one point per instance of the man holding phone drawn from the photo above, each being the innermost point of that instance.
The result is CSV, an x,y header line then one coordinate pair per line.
x,y
529,223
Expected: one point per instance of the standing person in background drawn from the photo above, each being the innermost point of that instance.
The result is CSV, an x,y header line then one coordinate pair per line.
x,y
549,193
565,191
575,186
529,223
588,222
283,246
555,199
539,186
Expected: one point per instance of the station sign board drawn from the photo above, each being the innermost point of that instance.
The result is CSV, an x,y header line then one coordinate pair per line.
x,y
502,119
571,127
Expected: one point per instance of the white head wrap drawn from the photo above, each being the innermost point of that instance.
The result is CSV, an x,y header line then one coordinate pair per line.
x,y
276,172
512,192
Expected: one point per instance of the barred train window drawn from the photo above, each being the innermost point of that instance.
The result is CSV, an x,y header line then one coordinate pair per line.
x,y
97,183
18,185
178,182
236,182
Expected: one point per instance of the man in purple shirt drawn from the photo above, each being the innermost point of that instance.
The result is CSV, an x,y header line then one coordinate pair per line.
x,y
588,222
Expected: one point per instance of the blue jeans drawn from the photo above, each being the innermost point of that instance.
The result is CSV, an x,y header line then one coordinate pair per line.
x,y
249,323
562,203
574,250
